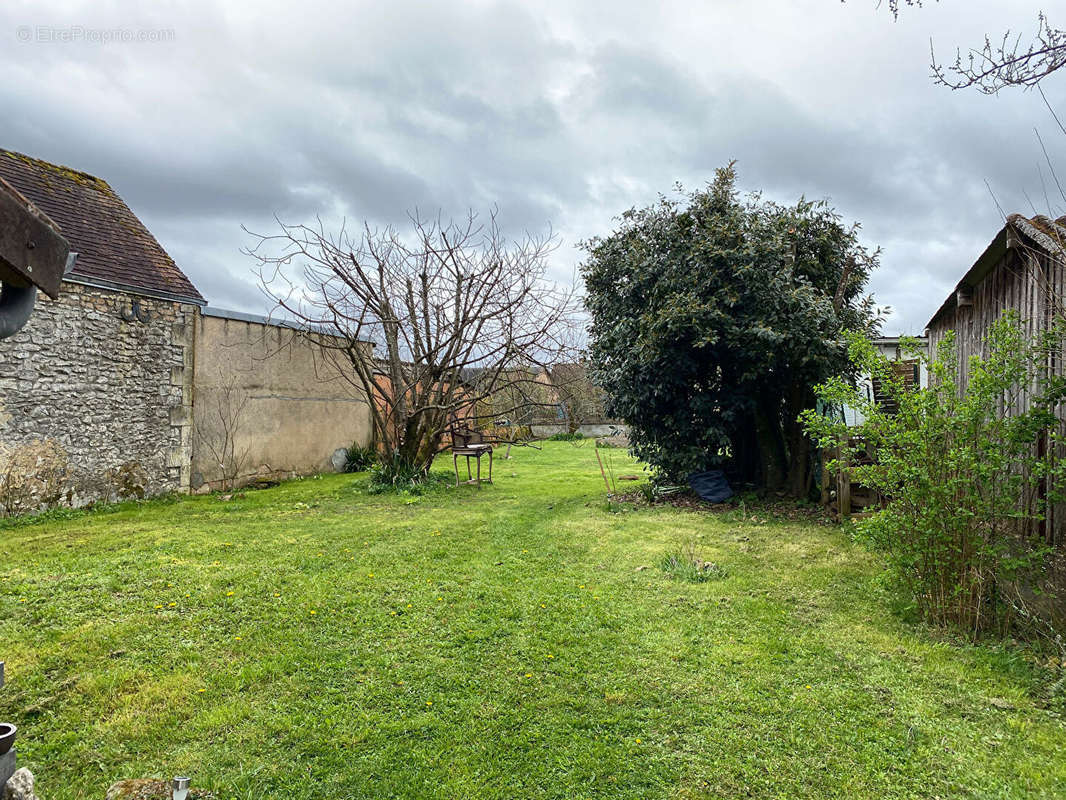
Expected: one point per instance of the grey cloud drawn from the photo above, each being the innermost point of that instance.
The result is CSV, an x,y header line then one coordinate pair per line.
x,y
556,114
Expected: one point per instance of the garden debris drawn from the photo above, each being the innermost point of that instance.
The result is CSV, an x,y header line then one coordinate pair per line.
x,y
629,477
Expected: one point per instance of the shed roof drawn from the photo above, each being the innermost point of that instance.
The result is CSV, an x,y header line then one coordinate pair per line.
x,y
1044,233
114,247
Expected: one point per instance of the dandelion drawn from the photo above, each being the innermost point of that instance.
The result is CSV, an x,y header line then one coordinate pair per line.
x,y
429,702
229,594
277,594
158,606
188,594
171,604
638,741
529,674
238,638
550,655
808,686
370,575
542,605
313,611
409,605
201,691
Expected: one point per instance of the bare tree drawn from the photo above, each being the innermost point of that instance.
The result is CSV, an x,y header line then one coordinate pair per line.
x,y
457,315
219,426
1009,60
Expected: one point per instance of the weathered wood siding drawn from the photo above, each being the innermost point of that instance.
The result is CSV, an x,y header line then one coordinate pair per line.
x,y
1022,270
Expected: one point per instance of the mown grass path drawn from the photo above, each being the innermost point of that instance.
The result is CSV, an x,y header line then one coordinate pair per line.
x,y
314,641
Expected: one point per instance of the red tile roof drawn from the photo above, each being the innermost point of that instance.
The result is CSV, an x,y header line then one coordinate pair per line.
x,y
113,246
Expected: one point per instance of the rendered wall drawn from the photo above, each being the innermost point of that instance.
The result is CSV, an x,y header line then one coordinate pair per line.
x,y
296,408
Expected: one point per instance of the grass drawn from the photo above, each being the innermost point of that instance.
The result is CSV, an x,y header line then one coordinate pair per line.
x,y
317,641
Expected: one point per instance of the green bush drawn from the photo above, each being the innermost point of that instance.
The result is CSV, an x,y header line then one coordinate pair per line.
x,y
359,459
566,437
395,475
961,478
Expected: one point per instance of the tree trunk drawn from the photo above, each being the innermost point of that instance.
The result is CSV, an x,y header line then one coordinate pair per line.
x,y
797,442
771,444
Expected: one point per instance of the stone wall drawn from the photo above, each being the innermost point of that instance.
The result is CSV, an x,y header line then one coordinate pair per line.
x,y
111,388
291,408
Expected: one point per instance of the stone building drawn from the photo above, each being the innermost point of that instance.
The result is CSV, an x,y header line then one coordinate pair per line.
x,y
105,374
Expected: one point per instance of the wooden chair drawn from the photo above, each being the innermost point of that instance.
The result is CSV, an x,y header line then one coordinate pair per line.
x,y
470,443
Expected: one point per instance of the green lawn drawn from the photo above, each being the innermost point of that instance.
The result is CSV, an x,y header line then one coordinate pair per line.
x,y
315,641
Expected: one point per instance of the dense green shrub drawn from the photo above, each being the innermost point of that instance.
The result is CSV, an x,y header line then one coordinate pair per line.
x,y
960,477
566,437
712,319
359,458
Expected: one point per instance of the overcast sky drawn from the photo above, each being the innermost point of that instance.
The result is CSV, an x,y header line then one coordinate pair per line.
x,y
561,113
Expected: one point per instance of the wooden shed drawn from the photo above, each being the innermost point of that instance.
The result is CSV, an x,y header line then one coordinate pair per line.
x,y
1024,270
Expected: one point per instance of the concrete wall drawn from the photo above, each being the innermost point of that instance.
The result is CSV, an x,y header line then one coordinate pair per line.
x,y
113,392
297,407
590,430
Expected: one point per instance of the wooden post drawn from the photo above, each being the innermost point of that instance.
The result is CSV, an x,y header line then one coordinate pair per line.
x,y
844,486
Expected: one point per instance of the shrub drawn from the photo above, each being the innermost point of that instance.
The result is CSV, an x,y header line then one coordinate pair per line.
x,y
32,476
960,478
402,477
566,437
358,458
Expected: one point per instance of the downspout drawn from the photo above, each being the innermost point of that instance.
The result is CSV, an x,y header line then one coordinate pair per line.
x,y
16,302
16,306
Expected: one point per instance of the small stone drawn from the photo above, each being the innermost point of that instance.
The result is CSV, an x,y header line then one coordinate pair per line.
x,y
20,786
339,459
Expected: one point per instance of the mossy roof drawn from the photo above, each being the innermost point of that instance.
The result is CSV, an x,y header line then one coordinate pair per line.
x,y
114,247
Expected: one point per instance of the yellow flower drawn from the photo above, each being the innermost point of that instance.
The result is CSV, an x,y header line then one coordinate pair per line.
x,y
542,605
638,741
229,594
370,575
429,702
529,674
550,655
171,604
238,638
808,686
159,606
313,611
201,691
